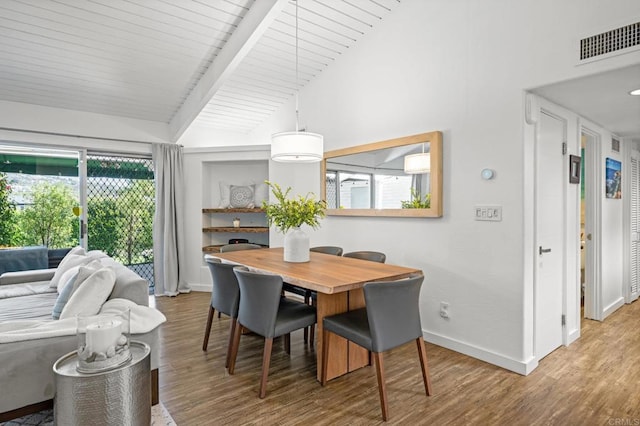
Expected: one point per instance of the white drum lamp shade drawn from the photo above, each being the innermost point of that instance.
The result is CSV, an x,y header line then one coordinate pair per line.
x,y
417,163
297,147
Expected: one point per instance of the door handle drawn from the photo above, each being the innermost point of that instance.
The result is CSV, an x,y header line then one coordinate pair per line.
x,y
542,250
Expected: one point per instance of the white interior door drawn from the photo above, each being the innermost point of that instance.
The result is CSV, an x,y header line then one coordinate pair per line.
x,y
550,231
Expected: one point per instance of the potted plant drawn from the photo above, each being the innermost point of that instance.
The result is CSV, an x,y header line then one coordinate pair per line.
x,y
417,202
288,215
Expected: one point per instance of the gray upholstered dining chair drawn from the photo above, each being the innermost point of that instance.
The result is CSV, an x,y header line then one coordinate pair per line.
x,y
237,247
335,250
390,319
374,256
225,298
241,246
265,312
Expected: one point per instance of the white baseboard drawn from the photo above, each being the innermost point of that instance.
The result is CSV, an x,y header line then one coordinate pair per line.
x,y
573,336
612,308
200,287
520,367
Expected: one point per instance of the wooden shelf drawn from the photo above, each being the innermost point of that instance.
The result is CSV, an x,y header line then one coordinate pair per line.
x,y
233,210
215,248
255,225
245,229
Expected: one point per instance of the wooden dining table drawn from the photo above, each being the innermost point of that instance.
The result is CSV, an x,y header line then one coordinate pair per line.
x,y
338,282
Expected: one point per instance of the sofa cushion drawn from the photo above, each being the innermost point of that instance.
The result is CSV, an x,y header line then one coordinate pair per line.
x,y
91,294
63,298
75,257
82,271
129,285
70,282
66,277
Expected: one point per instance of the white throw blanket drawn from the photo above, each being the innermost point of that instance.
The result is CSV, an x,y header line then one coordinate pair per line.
x,y
143,320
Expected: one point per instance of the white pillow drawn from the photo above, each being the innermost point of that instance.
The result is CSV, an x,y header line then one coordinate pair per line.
x,y
76,250
66,277
91,295
69,261
225,195
261,194
97,254
85,271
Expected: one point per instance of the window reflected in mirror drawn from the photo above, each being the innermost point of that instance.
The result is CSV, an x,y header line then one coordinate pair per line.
x,y
389,178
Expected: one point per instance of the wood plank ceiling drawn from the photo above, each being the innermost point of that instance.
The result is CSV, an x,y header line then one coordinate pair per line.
x,y
143,58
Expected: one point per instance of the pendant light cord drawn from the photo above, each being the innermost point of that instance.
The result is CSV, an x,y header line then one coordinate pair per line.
x,y
297,78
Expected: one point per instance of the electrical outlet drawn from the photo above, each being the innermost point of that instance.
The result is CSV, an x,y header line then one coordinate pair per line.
x,y
444,309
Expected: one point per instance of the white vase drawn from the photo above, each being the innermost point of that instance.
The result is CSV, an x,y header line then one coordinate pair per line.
x,y
296,246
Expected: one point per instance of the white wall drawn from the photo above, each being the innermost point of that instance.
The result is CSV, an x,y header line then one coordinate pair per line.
x,y
35,118
460,67
611,223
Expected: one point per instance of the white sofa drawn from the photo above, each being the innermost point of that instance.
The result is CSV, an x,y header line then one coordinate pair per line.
x,y
26,367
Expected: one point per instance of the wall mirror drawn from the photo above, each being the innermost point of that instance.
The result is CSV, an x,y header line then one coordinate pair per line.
x,y
396,177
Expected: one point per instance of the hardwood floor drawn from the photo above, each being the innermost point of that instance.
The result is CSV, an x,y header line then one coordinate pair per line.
x,y
596,380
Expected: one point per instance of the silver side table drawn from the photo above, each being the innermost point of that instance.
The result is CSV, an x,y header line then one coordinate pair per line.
x,y
121,396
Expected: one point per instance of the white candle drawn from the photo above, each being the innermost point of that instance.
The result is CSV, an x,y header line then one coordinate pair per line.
x,y
101,336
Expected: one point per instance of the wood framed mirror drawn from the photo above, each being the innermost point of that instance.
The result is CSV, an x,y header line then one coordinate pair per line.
x,y
378,179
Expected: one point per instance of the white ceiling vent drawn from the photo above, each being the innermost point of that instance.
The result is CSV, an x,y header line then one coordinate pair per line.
x,y
610,41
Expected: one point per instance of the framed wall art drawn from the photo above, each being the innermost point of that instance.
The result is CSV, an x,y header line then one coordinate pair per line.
x,y
613,176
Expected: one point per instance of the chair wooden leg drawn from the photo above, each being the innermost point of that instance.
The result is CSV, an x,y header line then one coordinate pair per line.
x,y
312,335
287,343
325,355
381,385
306,334
219,314
234,348
266,360
232,332
207,329
422,352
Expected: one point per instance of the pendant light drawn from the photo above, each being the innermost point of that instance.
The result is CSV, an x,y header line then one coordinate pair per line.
x,y
417,163
298,146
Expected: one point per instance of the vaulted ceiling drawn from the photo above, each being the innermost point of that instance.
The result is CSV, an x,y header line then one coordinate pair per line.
x,y
222,64
226,64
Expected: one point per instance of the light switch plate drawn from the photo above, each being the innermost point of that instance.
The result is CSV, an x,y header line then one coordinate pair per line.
x,y
488,213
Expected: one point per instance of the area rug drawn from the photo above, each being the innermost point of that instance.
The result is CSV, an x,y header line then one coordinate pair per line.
x,y
159,417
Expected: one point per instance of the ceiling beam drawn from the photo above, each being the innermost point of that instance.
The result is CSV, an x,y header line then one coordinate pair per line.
x,y
253,25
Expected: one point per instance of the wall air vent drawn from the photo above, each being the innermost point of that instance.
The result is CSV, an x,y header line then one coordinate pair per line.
x,y
615,145
610,41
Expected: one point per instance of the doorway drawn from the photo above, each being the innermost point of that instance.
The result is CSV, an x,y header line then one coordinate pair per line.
x,y
589,144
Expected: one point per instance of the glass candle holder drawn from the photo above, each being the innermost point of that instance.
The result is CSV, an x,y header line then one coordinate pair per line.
x,y
103,342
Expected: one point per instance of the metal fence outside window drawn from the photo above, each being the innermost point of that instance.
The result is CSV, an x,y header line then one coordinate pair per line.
x,y
121,205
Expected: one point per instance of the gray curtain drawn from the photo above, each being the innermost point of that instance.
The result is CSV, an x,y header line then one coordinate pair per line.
x,y
168,223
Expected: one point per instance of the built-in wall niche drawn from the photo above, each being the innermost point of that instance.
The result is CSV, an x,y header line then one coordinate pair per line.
x,y
217,219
